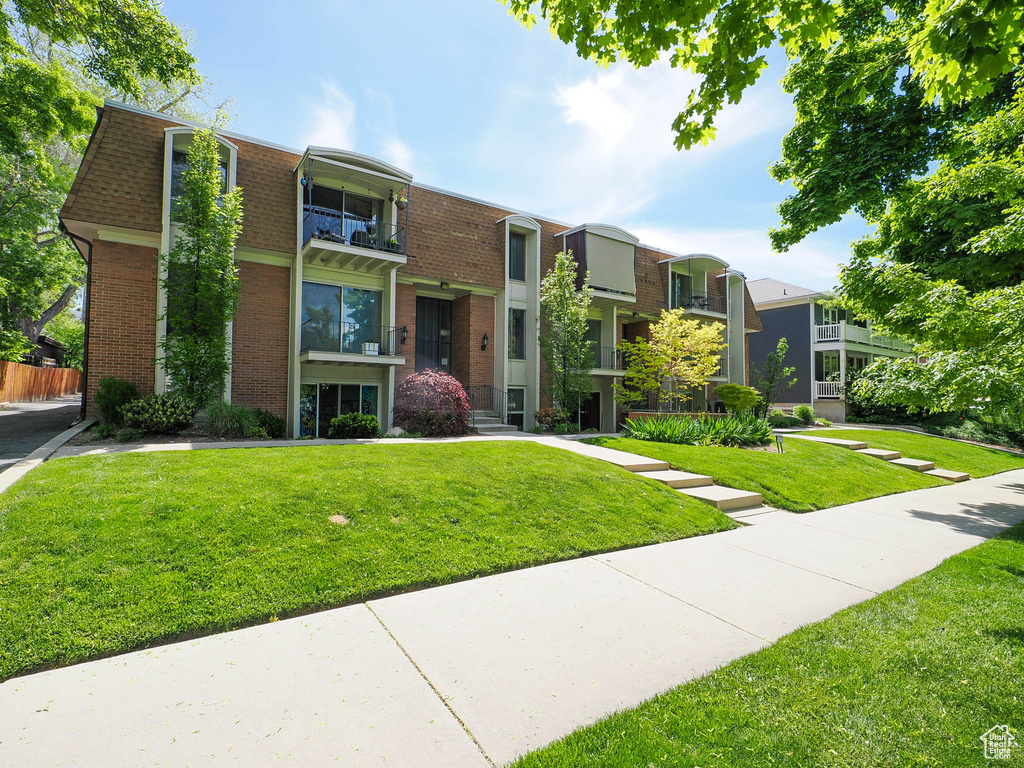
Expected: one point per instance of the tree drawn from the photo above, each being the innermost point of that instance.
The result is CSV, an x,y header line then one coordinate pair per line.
x,y
69,330
737,397
955,51
773,376
567,352
683,350
202,279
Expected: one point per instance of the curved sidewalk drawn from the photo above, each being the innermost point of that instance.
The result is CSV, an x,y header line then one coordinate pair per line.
x,y
479,672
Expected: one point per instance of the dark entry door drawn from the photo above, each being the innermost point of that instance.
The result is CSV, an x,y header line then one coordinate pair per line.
x,y
433,334
590,413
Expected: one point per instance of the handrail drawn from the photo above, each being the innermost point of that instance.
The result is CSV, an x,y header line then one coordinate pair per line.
x,y
329,225
608,358
489,399
351,338
701,300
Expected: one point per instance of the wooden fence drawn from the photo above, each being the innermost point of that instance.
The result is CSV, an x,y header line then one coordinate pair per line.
x,y
24,383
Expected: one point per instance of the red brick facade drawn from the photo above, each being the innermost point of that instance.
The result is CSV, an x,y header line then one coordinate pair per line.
x,y
122,316
259,359
472,317
405,317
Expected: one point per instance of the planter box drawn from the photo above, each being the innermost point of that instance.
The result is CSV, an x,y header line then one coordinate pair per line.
x,y
371,348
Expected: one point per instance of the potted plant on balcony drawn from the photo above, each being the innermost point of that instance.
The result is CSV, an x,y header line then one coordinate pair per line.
x,y
401,202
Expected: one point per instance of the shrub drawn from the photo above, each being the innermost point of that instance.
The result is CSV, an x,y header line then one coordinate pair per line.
x,y
548,417
354,426
225,419
728,431
272,425
168,413
805,413
737,398
111,397
432,403
563,428
128,435
825,422
785,422
104,430
776,412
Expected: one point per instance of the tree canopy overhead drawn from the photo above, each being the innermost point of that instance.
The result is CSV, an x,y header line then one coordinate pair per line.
x,y
956,49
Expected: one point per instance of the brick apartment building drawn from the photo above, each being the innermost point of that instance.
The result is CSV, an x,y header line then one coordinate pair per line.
x,y
352,277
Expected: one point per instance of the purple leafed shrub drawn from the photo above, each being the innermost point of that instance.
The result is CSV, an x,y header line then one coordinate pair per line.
x,y
432,403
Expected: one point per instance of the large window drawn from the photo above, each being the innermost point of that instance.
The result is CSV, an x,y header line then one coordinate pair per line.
x,y
680,290
319,403
517,334
179,164
341,319
517,256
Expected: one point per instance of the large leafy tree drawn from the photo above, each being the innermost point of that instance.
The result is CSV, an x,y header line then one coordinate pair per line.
x,y
567,352
202,279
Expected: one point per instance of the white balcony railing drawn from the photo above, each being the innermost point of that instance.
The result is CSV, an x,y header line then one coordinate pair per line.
x,y
858,335
828,389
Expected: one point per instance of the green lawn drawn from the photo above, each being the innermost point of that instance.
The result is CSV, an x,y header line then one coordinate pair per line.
x,y
100,555
910,678
947,454
807,476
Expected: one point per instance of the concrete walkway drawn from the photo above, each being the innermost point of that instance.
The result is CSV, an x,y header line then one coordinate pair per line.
x,y
479,672
26,426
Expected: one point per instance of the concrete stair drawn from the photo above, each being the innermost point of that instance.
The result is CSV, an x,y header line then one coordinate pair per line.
x,y
948,474
675,479
491,425
722,498
918,465
853,445
879,453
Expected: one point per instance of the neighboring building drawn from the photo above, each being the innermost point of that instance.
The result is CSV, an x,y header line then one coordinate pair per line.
x,y
353,277
824,343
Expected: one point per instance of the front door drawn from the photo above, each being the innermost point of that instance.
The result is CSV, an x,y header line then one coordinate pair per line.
x,y
433,334
590,412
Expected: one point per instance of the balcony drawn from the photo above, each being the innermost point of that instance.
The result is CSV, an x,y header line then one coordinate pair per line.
x,y
699,301
828,390
843,332
346,241
342,342
608,361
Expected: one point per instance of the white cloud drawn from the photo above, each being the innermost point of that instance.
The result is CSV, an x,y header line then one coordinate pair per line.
x,y
399,154
332,123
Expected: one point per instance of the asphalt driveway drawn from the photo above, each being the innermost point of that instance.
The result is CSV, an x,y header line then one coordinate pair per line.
x,y
26,426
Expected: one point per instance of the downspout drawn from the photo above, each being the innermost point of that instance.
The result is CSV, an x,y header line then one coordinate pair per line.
x,y
86,307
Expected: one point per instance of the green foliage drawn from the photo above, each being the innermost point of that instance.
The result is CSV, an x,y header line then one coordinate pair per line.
x,y
955,51
704,430
354,426
112,396
128,435
786,422
825,422
121,42
201,277
272,425
104,430
69,330
233,420
737,397
166,414
805,413
773,377
564,346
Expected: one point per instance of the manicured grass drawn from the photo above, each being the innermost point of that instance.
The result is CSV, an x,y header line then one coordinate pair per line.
x,y
910,678
807,476
100,555
947,454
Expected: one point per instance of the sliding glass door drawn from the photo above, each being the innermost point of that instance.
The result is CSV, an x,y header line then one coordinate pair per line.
x,y
319,403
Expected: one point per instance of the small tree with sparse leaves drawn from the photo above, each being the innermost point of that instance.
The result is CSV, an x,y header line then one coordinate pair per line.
x,y
201,277
772,378
567,352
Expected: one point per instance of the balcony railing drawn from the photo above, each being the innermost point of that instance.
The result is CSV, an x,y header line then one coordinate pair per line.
x,y
858,335
329,225
608,358
700,300
832,390
351,338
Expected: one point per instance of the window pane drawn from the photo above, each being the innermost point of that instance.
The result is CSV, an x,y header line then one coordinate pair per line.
x,y
307,411
321,316
369,400
357,205
517,334
349,398
516,400
517,256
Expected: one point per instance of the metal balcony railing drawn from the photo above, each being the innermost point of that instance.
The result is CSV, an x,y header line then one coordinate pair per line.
x,y
329,225
351,338
700,300
608,358
488,399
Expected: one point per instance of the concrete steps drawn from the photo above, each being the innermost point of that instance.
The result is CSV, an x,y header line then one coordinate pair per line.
x,y
948,474
879,453
853,445
918,465
495,429
724,499
675,479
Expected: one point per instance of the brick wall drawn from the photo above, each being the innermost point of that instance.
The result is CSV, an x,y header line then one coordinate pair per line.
x,y
122,318
259,360
472,317
405,315
269,197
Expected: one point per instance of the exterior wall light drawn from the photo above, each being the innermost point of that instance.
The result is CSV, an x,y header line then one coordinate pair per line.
x,y
483,344
405,334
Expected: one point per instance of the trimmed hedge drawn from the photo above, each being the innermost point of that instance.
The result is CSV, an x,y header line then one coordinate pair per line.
x,y
165,414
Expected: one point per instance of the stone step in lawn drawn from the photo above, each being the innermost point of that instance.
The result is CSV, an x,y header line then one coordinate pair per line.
x,y
725,499
948,474
675,479
918,465
496,429
879,453
854,445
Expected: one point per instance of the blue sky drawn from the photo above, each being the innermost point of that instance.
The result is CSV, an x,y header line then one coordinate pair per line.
x,y
466,99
